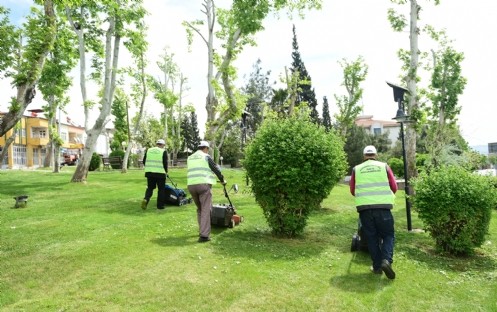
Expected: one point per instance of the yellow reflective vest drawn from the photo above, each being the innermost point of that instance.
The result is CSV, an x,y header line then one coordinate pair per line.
x,y
198,169
153,162
372,189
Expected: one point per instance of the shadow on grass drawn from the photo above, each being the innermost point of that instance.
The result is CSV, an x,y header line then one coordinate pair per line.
x,y
359,283
19,187
176,241
132,207
435,260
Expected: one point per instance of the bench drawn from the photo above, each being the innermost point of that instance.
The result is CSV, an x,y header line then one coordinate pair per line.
x,y
112,162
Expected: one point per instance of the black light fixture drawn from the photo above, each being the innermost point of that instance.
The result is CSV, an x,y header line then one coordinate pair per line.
x,y
401,117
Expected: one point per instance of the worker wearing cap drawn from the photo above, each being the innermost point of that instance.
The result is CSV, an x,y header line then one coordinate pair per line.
x,y
373,185
155,162
202,173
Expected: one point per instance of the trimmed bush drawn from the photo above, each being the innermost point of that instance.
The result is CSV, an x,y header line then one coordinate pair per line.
x,y
293,165
95,162
455,206
397,166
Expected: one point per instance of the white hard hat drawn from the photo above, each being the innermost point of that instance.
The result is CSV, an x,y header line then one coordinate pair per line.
x,y
160,141
204,144
370,149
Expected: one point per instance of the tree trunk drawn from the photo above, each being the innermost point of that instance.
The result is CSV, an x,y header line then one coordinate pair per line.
x,y
111,55
5,148
411,86
47,163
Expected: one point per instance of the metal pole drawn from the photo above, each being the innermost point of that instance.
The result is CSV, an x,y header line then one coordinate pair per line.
x,y
406,179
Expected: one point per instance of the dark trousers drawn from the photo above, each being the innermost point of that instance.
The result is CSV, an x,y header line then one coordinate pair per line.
x,y
160,183
377,225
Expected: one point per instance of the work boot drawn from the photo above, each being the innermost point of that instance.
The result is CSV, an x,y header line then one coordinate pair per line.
x,y
144,204
377,271
387,268
203,239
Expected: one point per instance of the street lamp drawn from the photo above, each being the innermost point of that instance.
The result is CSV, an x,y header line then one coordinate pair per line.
x,y
401,117
244,126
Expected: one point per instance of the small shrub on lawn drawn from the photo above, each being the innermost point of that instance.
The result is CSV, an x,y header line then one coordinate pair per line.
x,y
397,166
293,164
455,206
95,162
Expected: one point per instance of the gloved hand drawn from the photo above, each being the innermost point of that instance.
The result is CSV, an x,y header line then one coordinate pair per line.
x,y
224,182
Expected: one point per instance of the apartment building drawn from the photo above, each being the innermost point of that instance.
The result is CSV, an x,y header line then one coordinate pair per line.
x,y
29,148
379,127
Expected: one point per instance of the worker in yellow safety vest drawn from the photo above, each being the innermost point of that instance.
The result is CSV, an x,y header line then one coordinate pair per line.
x,y
155,162
202,173
374,186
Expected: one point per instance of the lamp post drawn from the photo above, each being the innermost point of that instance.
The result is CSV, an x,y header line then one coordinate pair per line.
x,y
401,117
244,126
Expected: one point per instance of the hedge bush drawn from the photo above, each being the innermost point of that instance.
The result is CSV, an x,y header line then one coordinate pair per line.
x,y
95,162
293,164
397,166
455,206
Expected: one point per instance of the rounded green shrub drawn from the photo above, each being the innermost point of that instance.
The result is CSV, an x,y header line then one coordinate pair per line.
x,y
293,164
397,166
455,206
95,162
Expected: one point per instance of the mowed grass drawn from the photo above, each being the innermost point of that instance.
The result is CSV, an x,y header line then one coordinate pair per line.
x,y
90,247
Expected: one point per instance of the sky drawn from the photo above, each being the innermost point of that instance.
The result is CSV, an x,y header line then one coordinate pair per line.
x,y
343,29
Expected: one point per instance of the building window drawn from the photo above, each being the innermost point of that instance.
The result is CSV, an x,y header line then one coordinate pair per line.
x,y
19,155
492,148
39,133
63,136
376,131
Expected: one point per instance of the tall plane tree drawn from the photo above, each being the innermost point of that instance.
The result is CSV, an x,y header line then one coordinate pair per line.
x,y
23,61
137,45
54,84
410,59
97,21
349,107
446,86
238,25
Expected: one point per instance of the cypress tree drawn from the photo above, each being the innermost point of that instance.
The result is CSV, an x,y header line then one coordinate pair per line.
x,y
326,115
305,92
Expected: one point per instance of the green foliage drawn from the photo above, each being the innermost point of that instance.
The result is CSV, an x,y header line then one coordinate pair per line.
x,y
190,132
397,166
326,122
95,162
293,165
9,43
348,105
305,92
258,93
397,21
455,206
357,139
231,149
119,110
149,131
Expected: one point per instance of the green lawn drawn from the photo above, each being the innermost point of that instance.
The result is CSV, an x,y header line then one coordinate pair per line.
x,y
89,247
